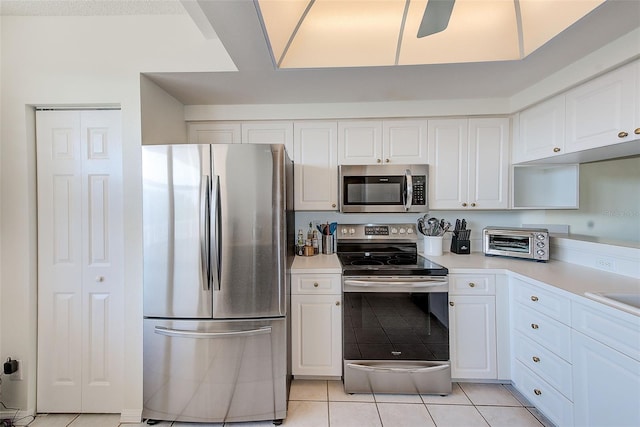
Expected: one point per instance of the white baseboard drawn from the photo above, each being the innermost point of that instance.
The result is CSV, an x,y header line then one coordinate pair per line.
x,y
131,416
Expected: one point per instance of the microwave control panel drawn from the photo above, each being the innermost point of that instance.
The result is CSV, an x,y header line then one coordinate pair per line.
x,y
419,190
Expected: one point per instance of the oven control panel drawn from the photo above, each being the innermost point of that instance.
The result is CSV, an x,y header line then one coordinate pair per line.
x,y
377,232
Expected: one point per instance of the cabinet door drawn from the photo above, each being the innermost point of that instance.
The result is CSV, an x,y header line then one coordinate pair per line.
x,y
606,385
271,132
359,142
598,111
316,343
541,131
448,163
214,133
316,169
404,141
488,163
472,326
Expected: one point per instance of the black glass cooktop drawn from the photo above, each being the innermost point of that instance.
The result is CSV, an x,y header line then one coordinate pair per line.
x,y
386,259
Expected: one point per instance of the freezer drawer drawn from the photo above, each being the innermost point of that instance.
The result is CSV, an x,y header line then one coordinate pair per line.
x,y
215,371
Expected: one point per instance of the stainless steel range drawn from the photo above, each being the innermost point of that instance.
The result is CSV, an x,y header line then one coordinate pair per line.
x,y
395,312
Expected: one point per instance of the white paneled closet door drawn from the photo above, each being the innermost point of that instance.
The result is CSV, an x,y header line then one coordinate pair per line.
x,y
80,261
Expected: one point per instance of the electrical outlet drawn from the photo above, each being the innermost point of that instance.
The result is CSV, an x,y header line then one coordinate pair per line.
x,y
17,375
605,264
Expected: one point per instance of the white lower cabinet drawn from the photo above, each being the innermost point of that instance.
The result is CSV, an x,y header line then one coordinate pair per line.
x,y
472,326
316,325
606,366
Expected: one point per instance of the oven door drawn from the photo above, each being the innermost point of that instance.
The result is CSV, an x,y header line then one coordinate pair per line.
x,y
396,336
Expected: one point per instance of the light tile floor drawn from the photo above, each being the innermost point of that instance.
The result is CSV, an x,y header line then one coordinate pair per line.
x,y
316,403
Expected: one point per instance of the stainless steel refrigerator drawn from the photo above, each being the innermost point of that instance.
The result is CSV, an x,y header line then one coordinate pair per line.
x,y
217,226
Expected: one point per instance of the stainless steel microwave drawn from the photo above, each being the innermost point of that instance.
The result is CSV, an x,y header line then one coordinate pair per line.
x,y
383,188
529,243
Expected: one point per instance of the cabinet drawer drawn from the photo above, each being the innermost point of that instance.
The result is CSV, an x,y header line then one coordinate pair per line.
x,y
543,301
315,284
615,331
545,331
548,400
544,363
472,284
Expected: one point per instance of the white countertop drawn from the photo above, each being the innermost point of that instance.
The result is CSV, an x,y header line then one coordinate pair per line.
x,y
317,264
567,277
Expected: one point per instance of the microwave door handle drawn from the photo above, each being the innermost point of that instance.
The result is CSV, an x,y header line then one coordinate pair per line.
x,y
408,193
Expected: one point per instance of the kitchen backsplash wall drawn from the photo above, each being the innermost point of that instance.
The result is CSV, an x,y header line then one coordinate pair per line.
x,y
609,203
476,221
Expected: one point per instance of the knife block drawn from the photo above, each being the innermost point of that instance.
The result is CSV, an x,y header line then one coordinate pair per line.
x,y
460,246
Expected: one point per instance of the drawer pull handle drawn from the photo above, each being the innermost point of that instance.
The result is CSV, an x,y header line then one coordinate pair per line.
x,y
536,359
534,298
451,303
534,326
537,392
556,150
472,285
623,134
315,285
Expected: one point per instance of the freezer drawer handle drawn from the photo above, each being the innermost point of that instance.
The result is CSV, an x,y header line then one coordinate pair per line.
x,y
399,370
195,334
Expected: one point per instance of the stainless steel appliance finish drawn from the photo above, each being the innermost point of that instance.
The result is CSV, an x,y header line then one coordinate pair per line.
x,y
216,220
395,313
527,243
383,188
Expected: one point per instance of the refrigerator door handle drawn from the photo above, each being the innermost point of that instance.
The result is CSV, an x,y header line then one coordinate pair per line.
x,y
205,209
215,216
195,334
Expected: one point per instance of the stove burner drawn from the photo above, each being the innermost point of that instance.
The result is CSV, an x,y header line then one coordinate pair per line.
x,y
400,261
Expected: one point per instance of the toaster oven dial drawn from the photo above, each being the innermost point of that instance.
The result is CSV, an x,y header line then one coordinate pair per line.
x,y
540,244
540,252
540,236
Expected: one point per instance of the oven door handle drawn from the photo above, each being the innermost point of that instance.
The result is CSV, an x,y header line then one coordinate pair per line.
x,y
372,283
396,369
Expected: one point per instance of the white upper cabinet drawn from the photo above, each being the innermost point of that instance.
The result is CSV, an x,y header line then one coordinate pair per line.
x,y
214,133
370,142
469,163
359,142
603,111
541,131
598,120
269,132
316,167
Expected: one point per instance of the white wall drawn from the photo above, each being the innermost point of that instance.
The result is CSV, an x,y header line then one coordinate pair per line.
x,y
78,61
162,115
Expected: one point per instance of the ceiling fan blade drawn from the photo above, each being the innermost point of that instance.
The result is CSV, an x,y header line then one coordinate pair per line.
x,y
436,17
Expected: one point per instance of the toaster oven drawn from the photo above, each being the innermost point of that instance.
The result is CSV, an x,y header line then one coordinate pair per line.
x,y
527,243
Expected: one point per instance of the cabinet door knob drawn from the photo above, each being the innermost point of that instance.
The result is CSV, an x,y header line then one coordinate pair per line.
x,y
556,149
536,359
451,303
534,326
378,161
333,205
315,285
473,205
337,302
99,279
637,131
472,285
623,134
386,160
534,298
464,205
537,392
